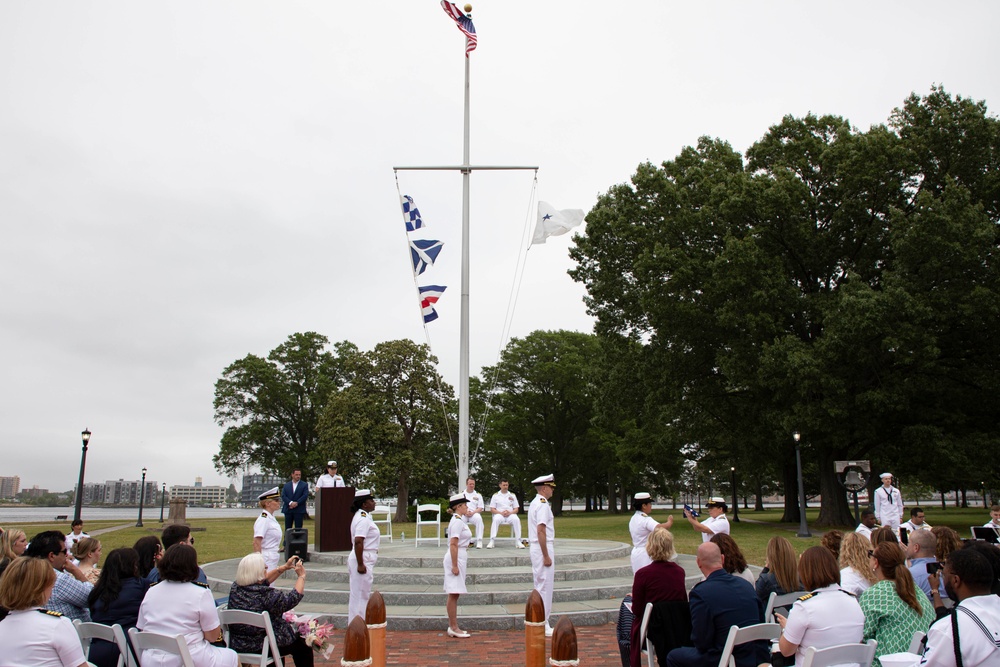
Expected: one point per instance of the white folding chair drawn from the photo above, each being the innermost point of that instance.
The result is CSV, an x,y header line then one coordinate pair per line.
x,y
863,654
109,633
269,653
150,641
647,645
775,601
436,522
387,521
750,633
916,643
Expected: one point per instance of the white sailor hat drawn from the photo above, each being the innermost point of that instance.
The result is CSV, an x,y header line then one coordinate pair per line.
x,y
716,502
363,493
544,480
641,496
884,475
331,464
457,499
270,494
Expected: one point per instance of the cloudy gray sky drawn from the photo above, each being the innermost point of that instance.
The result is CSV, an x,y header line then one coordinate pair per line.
x,y
184,183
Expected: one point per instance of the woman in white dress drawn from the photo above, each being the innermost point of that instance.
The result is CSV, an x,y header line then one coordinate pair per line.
x,y
641,526
179,605
455,561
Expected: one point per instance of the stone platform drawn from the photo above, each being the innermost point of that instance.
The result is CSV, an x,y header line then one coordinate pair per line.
x,y
592,577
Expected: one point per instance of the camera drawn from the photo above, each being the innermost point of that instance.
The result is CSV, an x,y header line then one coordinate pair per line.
x,y
934,568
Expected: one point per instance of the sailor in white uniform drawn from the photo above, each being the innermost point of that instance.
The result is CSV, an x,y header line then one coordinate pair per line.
x,y
916,521
364,554
504,507
474,517
541,535
456,561
266,529
330,479
888,503
641,526
716,521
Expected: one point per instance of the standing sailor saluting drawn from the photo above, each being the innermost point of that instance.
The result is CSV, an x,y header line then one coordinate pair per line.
x,y
266,530
364,553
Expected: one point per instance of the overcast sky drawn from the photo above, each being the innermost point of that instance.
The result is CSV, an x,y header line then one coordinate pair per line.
x,y
185,183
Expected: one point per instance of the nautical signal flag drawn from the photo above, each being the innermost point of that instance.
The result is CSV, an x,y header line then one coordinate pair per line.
x,y
423,252
429,295
411,214
464,24
554,223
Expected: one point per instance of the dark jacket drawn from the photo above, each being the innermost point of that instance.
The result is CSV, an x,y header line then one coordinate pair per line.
x,y
658,581
124,611
257,598
767,583
300,496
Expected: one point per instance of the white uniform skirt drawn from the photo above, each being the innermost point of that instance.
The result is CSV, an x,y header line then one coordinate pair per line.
x,y
455,583
640,558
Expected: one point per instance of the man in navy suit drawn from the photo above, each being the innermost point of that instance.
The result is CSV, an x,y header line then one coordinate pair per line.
x,y
718,603
293,500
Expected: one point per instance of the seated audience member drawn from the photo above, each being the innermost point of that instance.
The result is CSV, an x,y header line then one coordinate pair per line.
x,y
994,521
867,524
29,634
149,551
992,554
856,573
718,603
75,535
831,540
69,597
116,598
920,552
661,580
733,560
884,534
894,607
252,592
87,554
179,605
175,534
947,541
12,544
781,570
827,616
967,578
916,521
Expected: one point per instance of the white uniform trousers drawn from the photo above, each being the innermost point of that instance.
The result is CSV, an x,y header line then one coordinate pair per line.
x,y
512,521
543,577
640,558
477,521
270,559
361,584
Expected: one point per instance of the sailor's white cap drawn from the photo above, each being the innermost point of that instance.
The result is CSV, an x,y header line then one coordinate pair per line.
x,y
544,480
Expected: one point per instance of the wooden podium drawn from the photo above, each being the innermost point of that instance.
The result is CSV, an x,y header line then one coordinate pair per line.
x,y
333,518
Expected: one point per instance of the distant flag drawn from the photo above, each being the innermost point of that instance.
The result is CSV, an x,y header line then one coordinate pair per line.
x,y
428,297
554,223
411,213
464,24
423,252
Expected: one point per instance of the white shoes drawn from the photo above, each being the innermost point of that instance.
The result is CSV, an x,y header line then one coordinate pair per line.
x,y
490,545
549,630
479,544
520,545
461,634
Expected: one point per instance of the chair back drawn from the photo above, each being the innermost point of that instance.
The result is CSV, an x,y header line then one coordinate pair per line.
x,y
152,641
750,633
269,650
915,643
387,521
428,507
108,633
863,654
669,627
644,642
775,601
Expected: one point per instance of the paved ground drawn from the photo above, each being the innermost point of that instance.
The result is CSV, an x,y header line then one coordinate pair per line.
x,y
598,647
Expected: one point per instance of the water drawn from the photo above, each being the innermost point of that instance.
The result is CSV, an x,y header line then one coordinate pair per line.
x,y
32,514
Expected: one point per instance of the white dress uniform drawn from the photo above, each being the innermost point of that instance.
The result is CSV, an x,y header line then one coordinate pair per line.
x,y
540,512
826,617
328,481
641,526
178,608
979,641
912,527
718,524
852,582
889,507
476,502
268,528
455,583
361,584
505,501
39,638
862,529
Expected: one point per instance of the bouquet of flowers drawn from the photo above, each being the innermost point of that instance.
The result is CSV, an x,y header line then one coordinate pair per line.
x,y
317,635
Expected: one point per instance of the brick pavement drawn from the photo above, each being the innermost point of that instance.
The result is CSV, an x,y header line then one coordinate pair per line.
x,y
597,645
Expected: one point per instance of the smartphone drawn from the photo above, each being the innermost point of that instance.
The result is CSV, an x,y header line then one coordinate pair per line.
x,y
934,568
691,511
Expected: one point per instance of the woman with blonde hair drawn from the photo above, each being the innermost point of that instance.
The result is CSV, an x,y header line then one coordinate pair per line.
x,y
88,552
661,580
856,574
947,541
29,634
13,542
894,607
781,570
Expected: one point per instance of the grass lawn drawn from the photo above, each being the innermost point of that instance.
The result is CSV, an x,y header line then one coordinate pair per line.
x,y
219,539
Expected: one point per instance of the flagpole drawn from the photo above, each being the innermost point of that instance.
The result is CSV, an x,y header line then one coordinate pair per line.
x,y
463,363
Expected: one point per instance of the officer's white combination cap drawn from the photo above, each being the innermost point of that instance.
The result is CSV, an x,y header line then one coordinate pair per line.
x,y
331,464
641,496
715,501
884,475
270,494
361,493
547,480
457,499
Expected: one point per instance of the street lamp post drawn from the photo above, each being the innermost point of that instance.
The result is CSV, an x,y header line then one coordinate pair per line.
x,y
85,436
163,494
736,502
803,526
142,498
710,485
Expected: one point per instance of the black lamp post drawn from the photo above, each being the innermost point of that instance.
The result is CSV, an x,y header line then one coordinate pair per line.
x,y
163,494
710,485
803,526
142,498
736,502
85,436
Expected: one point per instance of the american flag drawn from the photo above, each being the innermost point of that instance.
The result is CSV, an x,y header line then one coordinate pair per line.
x,y
429,295
464,24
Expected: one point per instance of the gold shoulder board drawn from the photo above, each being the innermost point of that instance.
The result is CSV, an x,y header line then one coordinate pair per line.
x,y
49,612
198,583
806,597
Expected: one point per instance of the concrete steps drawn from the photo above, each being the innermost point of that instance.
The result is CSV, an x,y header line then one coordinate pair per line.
x,y
592,577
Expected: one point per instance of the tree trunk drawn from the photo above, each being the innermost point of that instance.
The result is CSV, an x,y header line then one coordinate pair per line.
x,y
942,500
402,499
956,497
758,503
612,499
965,501
790,484
834,510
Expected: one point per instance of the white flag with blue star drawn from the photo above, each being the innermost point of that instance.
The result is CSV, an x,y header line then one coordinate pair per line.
x,y
554,223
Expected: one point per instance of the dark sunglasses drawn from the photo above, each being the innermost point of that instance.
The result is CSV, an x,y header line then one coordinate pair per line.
x,y
871,553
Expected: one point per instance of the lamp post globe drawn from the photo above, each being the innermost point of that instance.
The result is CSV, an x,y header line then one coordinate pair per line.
x,y
85,436
803,526
142,498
